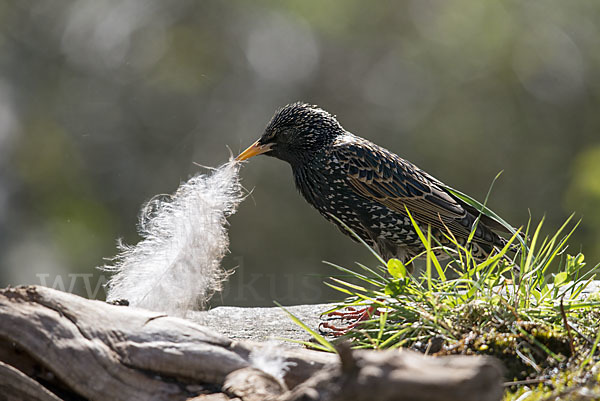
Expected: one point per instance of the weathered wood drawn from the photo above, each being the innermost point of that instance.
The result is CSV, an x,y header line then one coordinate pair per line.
x,y
251,384
403,376
58,346
17,386
101,351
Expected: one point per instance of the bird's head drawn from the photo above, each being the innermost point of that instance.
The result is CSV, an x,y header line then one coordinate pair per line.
x,y
296,133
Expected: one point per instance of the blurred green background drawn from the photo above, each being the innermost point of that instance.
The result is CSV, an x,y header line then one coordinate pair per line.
x,y
104,104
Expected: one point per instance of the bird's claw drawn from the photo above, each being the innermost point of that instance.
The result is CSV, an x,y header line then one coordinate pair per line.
x,y
356,315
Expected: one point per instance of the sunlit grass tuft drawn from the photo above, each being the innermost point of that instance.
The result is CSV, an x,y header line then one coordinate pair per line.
x,y
524,304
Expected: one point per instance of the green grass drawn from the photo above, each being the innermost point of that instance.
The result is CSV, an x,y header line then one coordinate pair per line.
x,y
523,305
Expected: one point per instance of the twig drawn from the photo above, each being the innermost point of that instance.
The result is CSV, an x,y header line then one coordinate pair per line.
x,y
576,330
527,360
566,323
526,382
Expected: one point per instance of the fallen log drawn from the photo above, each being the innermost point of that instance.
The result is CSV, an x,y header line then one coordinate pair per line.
x,y
407,375
59,346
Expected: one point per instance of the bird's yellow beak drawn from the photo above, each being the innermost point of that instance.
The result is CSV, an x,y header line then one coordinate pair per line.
x,y
254,150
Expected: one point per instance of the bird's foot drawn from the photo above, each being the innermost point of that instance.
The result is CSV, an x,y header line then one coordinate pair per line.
x,y
354,315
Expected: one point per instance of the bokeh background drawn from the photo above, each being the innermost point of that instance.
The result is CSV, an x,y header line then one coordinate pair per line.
x,y
104,104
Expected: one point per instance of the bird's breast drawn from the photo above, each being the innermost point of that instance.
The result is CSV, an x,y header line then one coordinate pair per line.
x,y
318,183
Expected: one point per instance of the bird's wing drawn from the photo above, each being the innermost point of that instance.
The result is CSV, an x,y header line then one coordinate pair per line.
x,y
381,176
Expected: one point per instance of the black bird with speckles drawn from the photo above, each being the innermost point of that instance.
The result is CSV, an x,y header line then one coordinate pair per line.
x,y
368,187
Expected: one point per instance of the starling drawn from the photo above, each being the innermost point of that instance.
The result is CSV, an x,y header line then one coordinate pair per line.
x,y
350,179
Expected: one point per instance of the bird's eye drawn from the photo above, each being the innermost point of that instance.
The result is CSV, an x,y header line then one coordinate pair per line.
x,y
280,134
287,135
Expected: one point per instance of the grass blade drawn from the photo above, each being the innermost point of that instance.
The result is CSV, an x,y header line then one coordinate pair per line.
x,y
319,338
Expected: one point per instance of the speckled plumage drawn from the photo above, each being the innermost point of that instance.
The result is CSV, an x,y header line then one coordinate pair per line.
x,y
368,187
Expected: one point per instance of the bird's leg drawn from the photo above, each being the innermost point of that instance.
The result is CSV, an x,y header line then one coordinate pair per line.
x,y
356,315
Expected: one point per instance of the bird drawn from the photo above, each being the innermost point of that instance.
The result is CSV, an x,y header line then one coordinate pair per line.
x,y
370,190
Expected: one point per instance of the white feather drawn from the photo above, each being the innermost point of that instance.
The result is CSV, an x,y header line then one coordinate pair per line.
x,y
270,361
176,267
